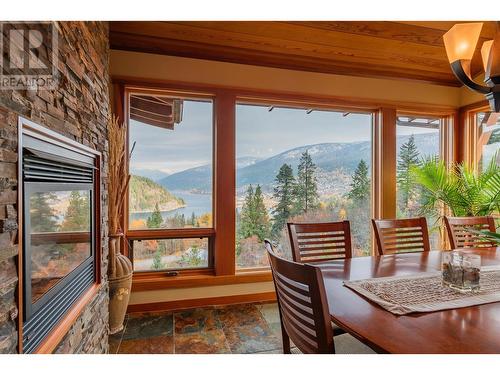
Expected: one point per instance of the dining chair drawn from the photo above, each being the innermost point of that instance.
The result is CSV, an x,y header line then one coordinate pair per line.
x,y
459,235
320,242
303,307
401,235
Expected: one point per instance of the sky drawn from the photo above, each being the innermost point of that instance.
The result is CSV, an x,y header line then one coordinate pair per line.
x,y
259,133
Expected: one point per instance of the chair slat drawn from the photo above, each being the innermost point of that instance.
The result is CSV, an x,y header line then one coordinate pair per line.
x,y
401,235
460,237
303,305
333,238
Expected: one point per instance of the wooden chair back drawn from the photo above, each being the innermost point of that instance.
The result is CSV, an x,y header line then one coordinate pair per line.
x,y
320,242
460,237
401,235
269,245
304,314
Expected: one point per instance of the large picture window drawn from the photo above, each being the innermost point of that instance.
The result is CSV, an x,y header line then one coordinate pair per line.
x,y
214,173
171,145
299,164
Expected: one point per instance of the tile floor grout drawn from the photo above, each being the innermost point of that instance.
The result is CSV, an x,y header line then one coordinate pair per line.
x,y
257,320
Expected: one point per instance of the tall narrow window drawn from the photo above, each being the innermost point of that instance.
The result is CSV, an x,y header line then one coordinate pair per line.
x,y
171,184
417,139
488,140
299,164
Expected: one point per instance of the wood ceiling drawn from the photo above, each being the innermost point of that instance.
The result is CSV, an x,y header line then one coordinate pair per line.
x,y
398,50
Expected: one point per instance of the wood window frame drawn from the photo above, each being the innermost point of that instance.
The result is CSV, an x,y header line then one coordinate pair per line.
x,y
213,268
447,152
469,133
225,98
306,102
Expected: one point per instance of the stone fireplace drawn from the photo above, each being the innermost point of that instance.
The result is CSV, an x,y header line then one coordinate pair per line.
x,y
78,109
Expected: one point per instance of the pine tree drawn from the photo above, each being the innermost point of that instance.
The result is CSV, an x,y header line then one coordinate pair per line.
x,y
155,220
360,185
193,219
43,217
408,158
246,227
259,215
77,217
192,257
253,220
306,192
157,261
284,193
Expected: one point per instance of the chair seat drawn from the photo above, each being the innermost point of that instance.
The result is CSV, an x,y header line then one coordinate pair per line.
x,y
345,344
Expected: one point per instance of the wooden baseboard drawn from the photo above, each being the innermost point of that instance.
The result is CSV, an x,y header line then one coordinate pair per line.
x,y
202,302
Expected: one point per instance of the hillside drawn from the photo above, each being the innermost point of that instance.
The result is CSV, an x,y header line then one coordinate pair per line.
x,y
335,161
152,174
198,179
145,193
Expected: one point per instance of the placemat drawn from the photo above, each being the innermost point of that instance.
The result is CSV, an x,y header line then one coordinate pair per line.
x,y
424,292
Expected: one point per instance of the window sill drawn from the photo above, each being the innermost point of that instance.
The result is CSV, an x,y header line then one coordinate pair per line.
x,y
156,282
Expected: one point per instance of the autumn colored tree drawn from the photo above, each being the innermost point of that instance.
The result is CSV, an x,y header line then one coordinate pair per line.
x,y
77,216
42,215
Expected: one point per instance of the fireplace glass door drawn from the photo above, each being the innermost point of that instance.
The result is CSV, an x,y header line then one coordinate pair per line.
x,y
59,237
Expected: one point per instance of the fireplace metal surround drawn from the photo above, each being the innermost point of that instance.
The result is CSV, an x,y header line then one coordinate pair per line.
x,y
63,254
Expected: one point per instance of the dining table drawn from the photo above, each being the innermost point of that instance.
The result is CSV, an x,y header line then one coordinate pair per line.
x,y
474,329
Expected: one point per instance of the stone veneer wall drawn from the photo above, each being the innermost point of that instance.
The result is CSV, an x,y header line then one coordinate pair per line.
x,y
78,109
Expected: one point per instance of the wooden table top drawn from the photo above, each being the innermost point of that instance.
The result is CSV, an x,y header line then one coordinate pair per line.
x,y
473,329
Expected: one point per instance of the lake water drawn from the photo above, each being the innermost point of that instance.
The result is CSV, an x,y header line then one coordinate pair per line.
x,y
197,203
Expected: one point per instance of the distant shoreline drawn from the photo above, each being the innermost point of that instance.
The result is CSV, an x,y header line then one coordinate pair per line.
x,y
150,211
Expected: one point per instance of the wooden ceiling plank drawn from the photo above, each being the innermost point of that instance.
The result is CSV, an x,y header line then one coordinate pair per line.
x,y
341,47
487,32
380,29
140,43
315,41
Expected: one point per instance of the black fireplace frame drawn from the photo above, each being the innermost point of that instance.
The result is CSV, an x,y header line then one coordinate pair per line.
x,y
37,141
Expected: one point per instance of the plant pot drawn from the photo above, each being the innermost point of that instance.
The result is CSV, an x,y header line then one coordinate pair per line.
x,y
120,284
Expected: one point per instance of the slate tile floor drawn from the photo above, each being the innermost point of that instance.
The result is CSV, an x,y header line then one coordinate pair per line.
x,y
245,328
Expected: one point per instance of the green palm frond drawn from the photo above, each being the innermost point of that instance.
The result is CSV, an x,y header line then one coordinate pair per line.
x,y
458,187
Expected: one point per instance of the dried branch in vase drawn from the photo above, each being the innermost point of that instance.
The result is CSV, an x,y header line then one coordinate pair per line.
x,y
118,174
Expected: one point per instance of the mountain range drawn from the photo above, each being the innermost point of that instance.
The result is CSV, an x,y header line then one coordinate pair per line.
x,y
333,160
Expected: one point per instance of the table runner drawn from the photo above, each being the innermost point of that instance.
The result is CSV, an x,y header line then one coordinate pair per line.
x,y
424,292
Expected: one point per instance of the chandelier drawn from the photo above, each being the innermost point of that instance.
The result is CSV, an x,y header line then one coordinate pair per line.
x,y
460,43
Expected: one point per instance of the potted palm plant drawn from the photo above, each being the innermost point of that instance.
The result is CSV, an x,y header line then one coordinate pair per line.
x,y
460,189
120,267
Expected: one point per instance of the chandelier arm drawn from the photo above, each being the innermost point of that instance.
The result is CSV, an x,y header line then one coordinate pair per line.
x,y
462,76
